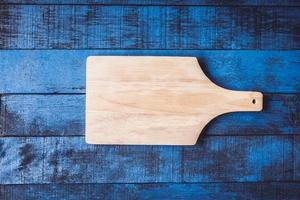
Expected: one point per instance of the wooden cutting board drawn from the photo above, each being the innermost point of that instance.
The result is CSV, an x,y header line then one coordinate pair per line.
x,y
154,100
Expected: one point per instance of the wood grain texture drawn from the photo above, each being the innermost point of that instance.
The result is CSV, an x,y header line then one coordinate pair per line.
x,y
42,115
172,191
162,2
155,100
148,27
216,159
64,115
63,71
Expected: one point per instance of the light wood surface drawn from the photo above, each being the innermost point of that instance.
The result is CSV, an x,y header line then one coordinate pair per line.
x,y
154,100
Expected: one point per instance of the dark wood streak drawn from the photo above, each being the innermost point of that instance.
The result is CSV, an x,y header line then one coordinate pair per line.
x,y
2,150
27,156
7,32
163,2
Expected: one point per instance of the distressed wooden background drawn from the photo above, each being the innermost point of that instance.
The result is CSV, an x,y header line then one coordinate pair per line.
x,y
241,45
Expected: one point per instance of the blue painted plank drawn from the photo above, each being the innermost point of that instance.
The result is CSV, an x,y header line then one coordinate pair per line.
x,y
63,71
172,191
261,158
163,2
71,160
148,27
37,160
42,115
64,115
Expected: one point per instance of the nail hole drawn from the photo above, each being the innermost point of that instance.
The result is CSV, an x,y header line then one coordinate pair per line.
x,y
253,101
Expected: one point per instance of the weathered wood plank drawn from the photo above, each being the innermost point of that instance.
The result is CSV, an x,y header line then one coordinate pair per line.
x,y
266,191
215,159
64,115
63,71
163,2
241,159
71,160
148,27
42,115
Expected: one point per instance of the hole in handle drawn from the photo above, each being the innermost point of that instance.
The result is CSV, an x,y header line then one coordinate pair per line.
x,y
253,101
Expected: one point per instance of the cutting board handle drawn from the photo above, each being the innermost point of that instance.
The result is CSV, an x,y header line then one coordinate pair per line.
x,y
243,101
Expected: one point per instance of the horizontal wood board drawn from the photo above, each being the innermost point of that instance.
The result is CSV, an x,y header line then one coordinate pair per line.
x,y
33,160
63,71
148,27
161,2
206,191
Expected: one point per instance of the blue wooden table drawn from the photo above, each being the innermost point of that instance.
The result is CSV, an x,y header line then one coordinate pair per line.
x,y
241,45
